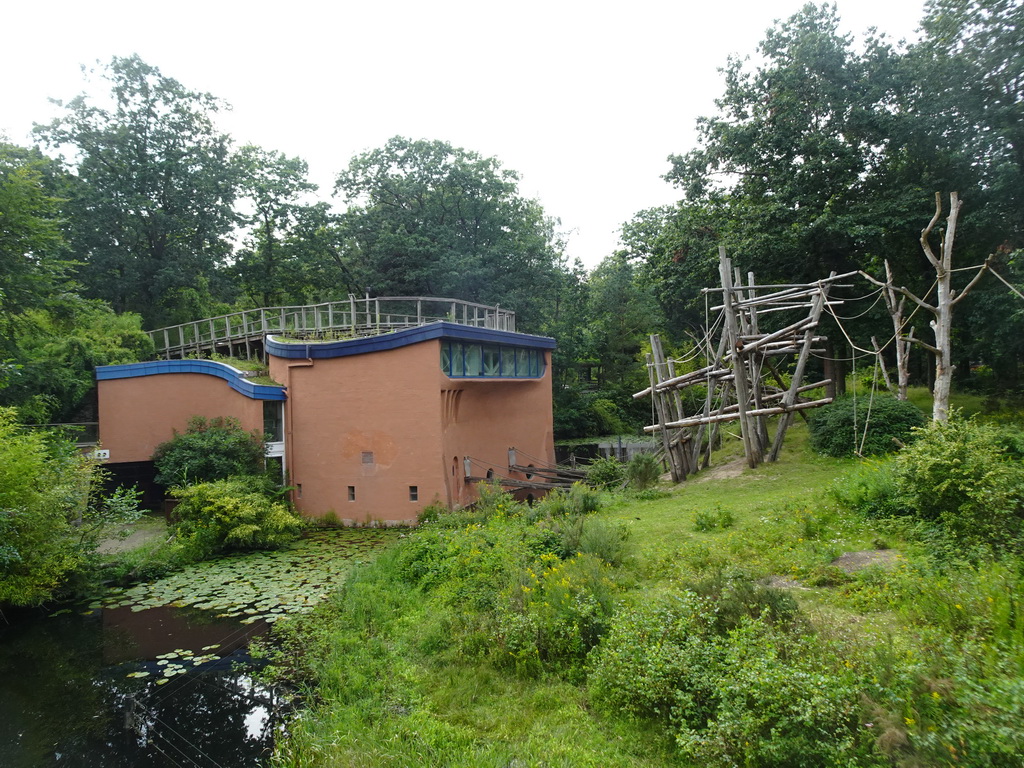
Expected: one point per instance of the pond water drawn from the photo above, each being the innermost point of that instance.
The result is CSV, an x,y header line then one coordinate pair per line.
x,y
159,674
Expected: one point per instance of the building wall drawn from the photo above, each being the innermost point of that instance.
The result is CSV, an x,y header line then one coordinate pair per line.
x,y
384,404
137,414
377,416
488,418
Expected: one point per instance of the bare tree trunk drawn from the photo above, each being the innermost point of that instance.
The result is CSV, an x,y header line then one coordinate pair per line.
x,y
946,299
901,342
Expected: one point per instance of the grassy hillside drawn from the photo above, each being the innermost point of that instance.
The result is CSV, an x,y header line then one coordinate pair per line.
x,y
702,625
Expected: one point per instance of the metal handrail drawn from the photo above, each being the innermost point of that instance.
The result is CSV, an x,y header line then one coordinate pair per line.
x,y
353,316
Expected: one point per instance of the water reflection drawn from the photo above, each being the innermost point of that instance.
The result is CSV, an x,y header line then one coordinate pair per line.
x,y
66,699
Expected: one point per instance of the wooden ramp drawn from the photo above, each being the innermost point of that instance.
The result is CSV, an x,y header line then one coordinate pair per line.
x,y
537,475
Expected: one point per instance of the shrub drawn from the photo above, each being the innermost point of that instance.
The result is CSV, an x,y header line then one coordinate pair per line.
x,y
778,704
653,661
643,471
577,500
748,693
838,429
709,520
210,449
231,514
869,489
737,597
40,494
555,614
605,473
51,516
590,535
961,474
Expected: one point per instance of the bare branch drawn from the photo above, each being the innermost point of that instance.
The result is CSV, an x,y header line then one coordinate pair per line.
x,y
927,231
870,279
976,278
923,344
900,290
951,220
920,302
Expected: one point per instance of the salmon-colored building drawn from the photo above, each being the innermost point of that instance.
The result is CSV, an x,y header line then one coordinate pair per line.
x,y
369,430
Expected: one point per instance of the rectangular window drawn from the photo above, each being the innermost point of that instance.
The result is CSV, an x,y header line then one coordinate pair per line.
x,y
458,360
522,362
351,493
446,358
464,360
414,493
508,361
367,457
273,420
474,362
492,361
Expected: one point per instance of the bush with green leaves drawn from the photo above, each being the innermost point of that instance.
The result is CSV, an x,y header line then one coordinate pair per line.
x,y
52,513
554,614
965,475
864,425
605,473
233,514
869,489
210,449
40,496
578,499
741,692
712,519
643,471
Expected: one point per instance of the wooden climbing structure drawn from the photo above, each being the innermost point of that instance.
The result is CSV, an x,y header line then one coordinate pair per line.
x,y
743,377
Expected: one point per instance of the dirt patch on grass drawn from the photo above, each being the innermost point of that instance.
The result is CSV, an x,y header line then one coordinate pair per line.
x,y
851,562
147,529
726,471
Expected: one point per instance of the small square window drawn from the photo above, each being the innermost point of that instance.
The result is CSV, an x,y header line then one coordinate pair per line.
x,y
351,493
367,457
414,493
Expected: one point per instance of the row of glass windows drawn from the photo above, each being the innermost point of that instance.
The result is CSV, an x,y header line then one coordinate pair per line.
x,y
490,360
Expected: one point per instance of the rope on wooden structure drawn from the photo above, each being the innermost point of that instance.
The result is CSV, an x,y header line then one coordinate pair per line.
x,y
735,375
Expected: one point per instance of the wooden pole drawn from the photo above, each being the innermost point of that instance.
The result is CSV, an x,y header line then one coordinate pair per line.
x,y
660,409
751,448
801,364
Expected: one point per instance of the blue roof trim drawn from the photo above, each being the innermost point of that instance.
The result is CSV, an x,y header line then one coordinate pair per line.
x,y
232,376
441,330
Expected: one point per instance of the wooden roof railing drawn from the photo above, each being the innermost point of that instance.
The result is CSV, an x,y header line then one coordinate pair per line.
x,y
368,316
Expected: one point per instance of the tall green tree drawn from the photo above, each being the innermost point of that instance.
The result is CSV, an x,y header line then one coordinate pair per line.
x,y
427,218
32,264
826,154
272,184
789,156
150,209
57,350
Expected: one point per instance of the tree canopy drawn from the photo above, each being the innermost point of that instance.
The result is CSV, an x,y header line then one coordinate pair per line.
x,y
826,152
32,266
427,218
150,189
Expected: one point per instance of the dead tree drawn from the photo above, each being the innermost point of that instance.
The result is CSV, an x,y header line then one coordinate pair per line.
x,y
946,298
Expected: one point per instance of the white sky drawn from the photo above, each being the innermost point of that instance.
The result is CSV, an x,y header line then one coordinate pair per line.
x,y
586,100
